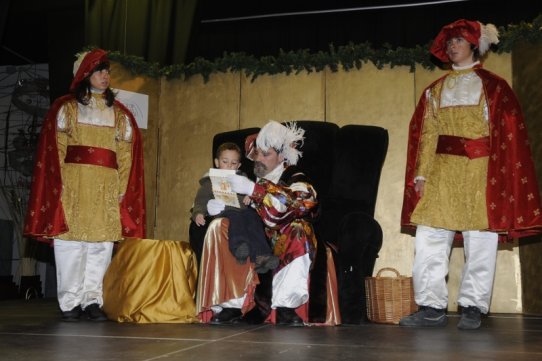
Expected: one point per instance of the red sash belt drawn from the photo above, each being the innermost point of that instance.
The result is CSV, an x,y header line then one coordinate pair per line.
x,y
82,154
472,148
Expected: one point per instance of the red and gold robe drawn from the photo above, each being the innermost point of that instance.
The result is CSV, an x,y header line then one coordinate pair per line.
x,y
46,215
512,195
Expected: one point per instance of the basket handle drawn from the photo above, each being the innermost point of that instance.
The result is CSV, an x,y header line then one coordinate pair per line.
x,y
388,269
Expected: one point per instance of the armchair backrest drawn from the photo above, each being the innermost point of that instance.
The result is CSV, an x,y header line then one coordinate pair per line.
x,y
360,151
344,164
318,153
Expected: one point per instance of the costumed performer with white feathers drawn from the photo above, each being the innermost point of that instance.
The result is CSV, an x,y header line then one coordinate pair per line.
x,y
287,204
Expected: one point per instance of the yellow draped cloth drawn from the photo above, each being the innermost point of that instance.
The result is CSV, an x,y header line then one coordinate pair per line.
x,y
151,281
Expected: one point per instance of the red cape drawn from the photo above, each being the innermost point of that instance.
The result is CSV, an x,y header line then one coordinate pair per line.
x,y
45,215
513,198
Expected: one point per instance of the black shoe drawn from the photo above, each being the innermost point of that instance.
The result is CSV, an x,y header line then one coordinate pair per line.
x,y
72,315
288,317
95,313
266,263
471,318
425,317
227,316
241,253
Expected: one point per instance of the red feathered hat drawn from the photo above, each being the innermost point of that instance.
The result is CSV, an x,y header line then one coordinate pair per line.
x,y
84,65
250,146
481,36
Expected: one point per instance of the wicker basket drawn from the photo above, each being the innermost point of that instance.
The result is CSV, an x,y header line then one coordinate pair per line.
x,y
389,298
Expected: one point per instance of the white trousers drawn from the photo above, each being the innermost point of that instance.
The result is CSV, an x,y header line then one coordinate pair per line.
x,y
290,286
80,269
433,247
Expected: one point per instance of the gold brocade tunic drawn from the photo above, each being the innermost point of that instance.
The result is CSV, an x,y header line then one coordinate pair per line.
x,y
455,187
91,193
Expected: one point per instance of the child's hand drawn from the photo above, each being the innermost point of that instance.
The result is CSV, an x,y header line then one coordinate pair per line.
x,y
246,200
215,206
200,219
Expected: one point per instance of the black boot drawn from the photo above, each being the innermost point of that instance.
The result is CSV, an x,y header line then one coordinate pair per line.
x,y
471,318
95,313
288,317
227,316
72,315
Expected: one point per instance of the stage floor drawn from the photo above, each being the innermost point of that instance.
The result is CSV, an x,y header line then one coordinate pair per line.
x,y
32,330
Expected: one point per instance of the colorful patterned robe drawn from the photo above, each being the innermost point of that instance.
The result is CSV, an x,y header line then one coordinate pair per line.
x,y
287,210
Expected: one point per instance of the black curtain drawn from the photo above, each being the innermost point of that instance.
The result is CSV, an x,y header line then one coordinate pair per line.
x,y
158,31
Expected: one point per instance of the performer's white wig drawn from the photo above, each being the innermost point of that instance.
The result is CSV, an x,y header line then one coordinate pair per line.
x,y
284,139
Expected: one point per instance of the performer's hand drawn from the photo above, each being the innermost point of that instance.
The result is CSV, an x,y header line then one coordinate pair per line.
x,y
215,206
419,187
240,184
199,219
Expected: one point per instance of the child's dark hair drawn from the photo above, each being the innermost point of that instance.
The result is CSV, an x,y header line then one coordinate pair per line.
x,y
227,146
475,52
82,91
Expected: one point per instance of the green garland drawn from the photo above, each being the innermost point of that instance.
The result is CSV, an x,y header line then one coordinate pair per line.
x,y
349,56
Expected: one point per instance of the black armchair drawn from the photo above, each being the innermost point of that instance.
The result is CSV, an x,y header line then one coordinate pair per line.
x,y
344,165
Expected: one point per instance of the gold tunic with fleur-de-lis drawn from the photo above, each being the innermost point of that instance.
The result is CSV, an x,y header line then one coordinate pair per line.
x,y
90,193
455,187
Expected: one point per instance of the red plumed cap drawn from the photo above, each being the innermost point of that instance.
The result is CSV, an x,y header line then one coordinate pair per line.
x,y
84,65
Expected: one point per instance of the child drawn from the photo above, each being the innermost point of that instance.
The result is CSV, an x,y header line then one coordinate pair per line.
x,y
246,236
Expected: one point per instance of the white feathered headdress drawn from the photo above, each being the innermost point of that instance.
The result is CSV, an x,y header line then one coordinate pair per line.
x,y
79,59
284,139
488,35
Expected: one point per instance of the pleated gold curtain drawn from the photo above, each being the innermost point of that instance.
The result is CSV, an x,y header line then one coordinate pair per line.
x,y
157,30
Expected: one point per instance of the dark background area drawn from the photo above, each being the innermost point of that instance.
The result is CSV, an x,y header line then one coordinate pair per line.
x,y
403,26
52,31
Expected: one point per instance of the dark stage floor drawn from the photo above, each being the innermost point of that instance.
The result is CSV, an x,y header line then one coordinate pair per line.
x,y
32,330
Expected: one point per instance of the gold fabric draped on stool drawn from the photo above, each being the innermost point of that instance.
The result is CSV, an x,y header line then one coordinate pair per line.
x,y
151,281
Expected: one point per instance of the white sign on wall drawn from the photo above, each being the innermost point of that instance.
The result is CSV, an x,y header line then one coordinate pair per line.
x,y
137,103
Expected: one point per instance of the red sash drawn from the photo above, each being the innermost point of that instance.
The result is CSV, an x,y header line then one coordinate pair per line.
x,y
82,154
472,148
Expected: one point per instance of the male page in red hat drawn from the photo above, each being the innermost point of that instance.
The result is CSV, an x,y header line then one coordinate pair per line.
x,y
469,175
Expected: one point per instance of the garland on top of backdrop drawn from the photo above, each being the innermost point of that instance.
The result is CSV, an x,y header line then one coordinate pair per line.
x,y
347,56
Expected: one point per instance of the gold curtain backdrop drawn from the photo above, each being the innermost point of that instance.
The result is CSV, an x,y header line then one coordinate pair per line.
x,y
185,115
